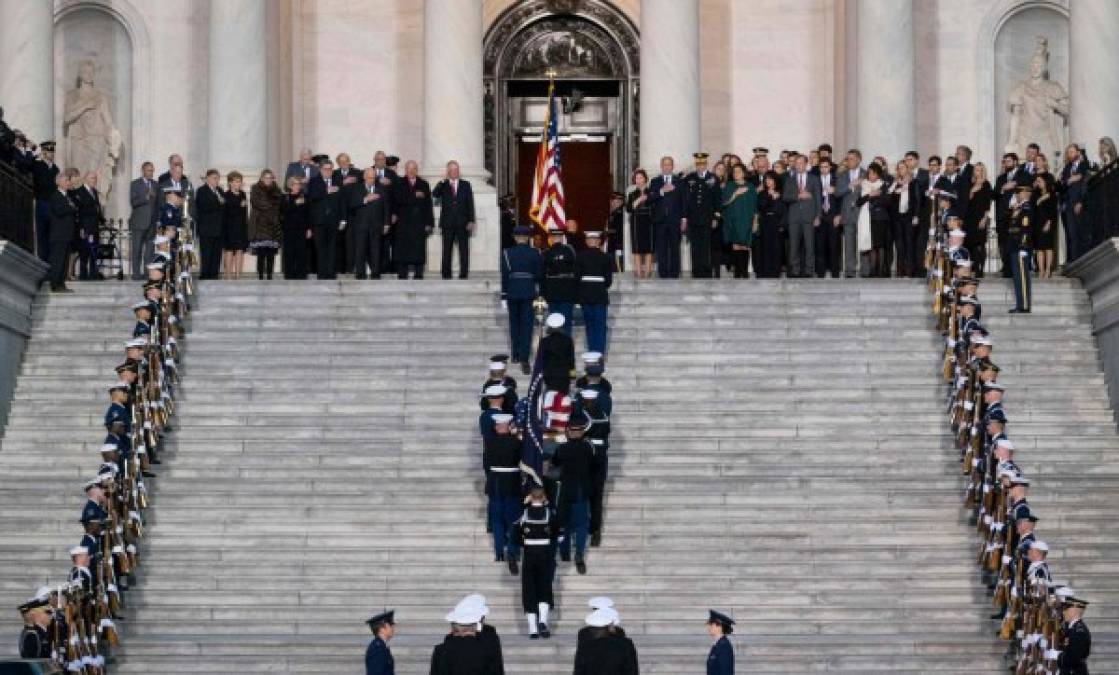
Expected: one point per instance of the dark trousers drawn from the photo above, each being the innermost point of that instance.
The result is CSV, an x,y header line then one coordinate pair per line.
x,y
87,260
43,229
741,261
666,245
1004,249
503,510
594,318
59,255
367,250
210,263
326,244
567,309
574,515
520,328
978,252
402,271
699,238
137,254
345,243
387,263
598,488
451,237
1072,233
265,262
1020,270
920,243
295,254
769,252
536,577
903,243
829,247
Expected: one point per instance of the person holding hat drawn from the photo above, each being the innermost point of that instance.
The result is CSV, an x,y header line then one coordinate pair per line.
x,y
1022,235
1076,640
701,206
560,286
615,231
557,354
596,274
576,460
720,660
496,374
378,656
667,198
501,459
607,651
521,274
536,532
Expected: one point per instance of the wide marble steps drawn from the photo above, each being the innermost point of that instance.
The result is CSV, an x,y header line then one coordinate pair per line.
x,y
779,452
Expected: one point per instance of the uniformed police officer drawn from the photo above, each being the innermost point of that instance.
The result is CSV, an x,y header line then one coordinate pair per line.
x,y
520,275
378,656
596,274
1021,235
702,199
536,534
720,660
1076,639
560,287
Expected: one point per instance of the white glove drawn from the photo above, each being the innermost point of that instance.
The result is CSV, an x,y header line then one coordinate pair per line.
x,y
505,305
1052,654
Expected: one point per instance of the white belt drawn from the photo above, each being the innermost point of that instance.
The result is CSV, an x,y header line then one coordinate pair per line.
x,y
598,441
537,542
600,280
505,469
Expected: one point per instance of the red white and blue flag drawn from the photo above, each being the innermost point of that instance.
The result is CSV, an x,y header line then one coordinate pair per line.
x,y
530,420
547,209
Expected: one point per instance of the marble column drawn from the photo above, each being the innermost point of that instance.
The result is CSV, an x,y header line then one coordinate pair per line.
x,y
1093,86
669,102
238,129
886,98
27,73
453,88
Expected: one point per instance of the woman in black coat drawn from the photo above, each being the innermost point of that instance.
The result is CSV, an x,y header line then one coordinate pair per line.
x,y
977,218
296,217
235,235
1045,224
874,195
771,219
905,200
641,225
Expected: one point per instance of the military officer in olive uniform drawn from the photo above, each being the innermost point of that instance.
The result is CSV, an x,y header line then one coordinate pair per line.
x,y
378,656
34,640
560,287
1076,639
1021,233
720,660
701,202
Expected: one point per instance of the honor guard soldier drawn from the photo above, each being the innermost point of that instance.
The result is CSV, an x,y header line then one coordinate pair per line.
x,y
495,396
34,639
560,287
520,275
536,534
79,573
607,651
143,311
95,498
615,231
575,459
496,374
596,274
587,632
598,433
461,651
557,354
703,197
378,656
502,457
1021,234
1076,639
720,660
487,634
593,379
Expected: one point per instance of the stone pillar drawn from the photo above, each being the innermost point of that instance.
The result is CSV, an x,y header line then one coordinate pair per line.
x,y
669,82
886,99
27,73
238,128
1093,87
453,88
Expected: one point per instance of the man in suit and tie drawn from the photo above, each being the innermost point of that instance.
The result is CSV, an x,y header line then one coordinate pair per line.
x,y
667,196
347,176
921,231
303,169
63,214
387,176
456,219
90,218
172,162
173,181
1006,185
1074,181
953,186
368,212
963,161
845,185
141,195
210,224
829,236
324,194
803,194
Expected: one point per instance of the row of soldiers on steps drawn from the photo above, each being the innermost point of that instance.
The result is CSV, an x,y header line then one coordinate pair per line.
x,y
1040,618
72,623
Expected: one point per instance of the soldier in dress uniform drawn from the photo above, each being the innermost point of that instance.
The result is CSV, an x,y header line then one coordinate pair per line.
x,y
501,456
35,639
720,660
1021,233
536,532
560,287
495,395
461,652
521,273
496,374
607,651
79,572
598,433
378,656
95,499
486,634
587,632
1076,639
508,206
557,353
596,274
702,199
575,458
615,231
593,378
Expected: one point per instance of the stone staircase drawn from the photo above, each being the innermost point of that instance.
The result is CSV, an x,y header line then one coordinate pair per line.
x,y
780,453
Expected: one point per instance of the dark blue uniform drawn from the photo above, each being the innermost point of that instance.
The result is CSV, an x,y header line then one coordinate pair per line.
x,y
1021,246
596,274
560,287
378,658
520,273
720,661
117,413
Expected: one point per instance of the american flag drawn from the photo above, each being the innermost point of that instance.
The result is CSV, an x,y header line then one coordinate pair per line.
x,y
547,210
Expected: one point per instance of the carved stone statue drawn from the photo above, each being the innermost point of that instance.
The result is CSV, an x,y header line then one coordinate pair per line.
x,y
1039,107
93,142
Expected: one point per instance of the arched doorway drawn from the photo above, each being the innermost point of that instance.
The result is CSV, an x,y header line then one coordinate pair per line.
x,y
592,48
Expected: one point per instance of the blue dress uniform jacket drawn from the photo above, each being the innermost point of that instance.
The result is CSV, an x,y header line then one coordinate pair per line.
x,y
720,661
378,658
521,269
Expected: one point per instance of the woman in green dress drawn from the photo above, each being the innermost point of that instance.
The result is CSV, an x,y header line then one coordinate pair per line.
x,y
740,201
